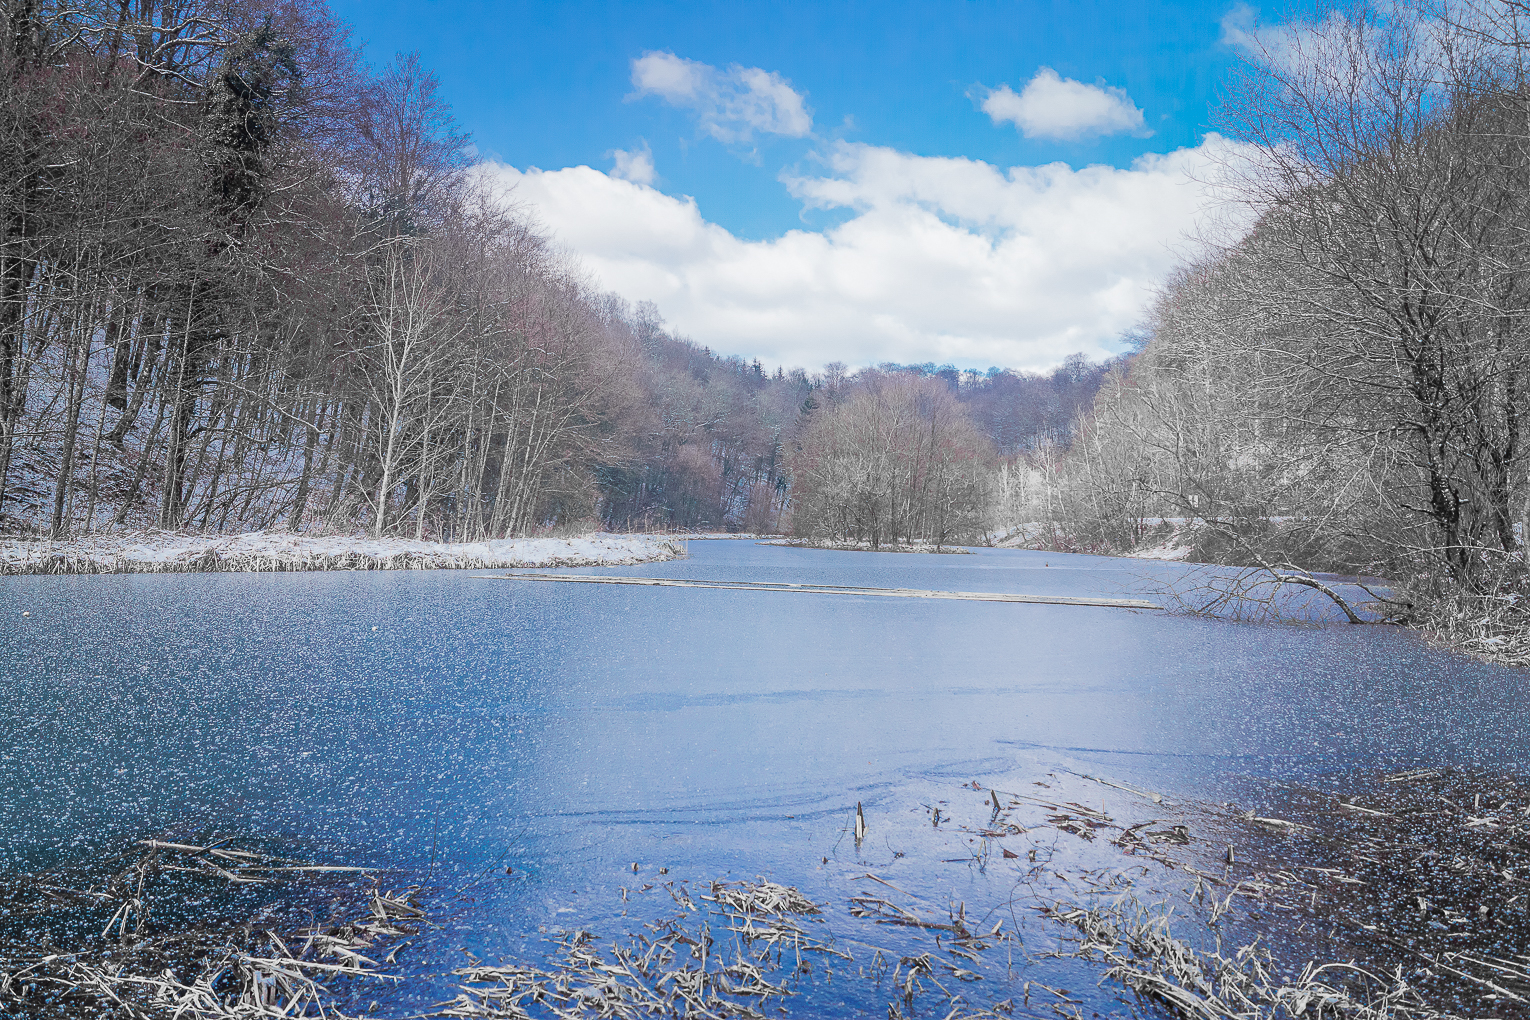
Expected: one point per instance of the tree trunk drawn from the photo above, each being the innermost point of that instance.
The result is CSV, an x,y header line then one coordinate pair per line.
x,y
310,442
63,489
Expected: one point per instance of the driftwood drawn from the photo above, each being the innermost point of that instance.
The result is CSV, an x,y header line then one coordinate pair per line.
x,y
1259,592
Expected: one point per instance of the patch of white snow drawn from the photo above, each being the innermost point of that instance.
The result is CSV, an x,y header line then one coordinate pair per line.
x,y
160,552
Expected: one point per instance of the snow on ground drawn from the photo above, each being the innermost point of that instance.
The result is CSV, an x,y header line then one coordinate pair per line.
x,y
160,552
1167,538
1166,551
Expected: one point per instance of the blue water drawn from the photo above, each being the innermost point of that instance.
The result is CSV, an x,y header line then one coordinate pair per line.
x,y
452,724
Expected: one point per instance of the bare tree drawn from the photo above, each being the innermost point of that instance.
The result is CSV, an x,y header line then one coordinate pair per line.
x,y
896,462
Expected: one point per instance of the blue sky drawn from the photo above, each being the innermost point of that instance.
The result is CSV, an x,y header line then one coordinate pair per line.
x,y
556,86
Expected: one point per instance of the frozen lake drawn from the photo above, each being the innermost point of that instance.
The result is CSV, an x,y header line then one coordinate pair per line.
x,y
450,725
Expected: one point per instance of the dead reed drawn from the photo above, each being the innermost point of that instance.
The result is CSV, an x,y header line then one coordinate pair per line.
x,y
728,955
1493,627
1140,951
1401,898
152,959
62,558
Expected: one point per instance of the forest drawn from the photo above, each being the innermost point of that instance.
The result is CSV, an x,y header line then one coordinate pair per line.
x,y
250,281
1342,386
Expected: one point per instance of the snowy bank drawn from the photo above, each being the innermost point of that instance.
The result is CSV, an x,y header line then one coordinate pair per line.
x,y
1163,538
158,552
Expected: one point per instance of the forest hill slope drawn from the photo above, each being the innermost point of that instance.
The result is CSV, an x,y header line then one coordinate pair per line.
x,y
248,283
1341,387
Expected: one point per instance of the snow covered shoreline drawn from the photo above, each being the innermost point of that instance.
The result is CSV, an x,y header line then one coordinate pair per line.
x,y
160,552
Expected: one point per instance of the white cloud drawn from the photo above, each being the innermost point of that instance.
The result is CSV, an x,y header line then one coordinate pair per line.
x,y
1240,28
1342,38
942,259
1287,45
729,105
635,165
1051,106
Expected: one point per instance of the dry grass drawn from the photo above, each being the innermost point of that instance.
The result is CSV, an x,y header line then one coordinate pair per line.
x,y
1404,896
212,561
1494,628
1401,899
729,955
149,960
727,950
164,553
1138,949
